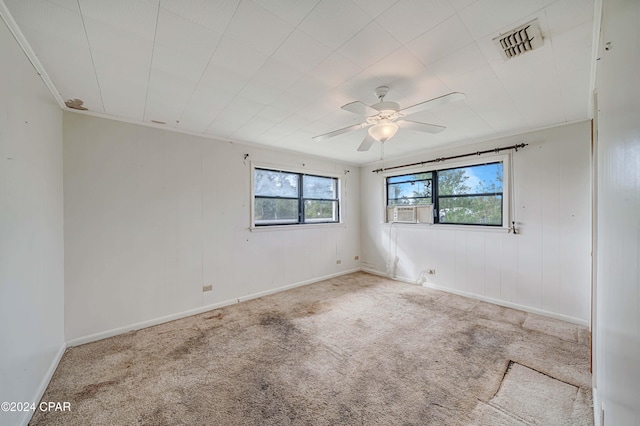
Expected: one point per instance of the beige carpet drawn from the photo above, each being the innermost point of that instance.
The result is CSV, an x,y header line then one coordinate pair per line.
x,y
354,350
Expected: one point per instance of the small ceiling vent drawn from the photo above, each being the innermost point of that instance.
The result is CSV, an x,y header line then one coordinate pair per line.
x,y
519,40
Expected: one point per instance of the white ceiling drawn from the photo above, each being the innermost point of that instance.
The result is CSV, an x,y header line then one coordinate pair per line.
x,y
275,72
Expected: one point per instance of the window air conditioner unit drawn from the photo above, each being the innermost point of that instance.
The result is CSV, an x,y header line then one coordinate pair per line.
x,y
410,214
404,214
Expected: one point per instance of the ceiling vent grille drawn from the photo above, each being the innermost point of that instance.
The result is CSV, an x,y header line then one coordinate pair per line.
x,y
519,40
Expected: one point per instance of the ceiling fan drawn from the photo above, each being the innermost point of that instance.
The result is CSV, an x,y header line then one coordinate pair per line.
x,y
385,117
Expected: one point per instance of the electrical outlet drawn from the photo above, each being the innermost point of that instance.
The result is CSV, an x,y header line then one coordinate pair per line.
x,y
207,287
431,271
356,258
338,262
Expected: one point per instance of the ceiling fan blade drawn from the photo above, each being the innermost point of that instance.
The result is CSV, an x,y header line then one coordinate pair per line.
x,y
442,100
359,108
339,131
422,127
366,143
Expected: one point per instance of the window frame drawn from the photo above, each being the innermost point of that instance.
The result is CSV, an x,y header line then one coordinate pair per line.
x,y
430,179
301,199
505,159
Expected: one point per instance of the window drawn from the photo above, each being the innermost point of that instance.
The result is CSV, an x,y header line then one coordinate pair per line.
x,y
469,195
409,189
287,198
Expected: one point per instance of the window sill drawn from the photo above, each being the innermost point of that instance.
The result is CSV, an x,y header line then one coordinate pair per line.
x,y
296,226
480,228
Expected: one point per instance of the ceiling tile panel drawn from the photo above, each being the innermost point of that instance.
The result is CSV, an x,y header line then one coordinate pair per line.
x,y
530,69
48,18
576,96
541,106
308,88
258,28
278,74
563,16
212,14
179,34
123,97
316,110
334,22
290,102
458,5
167,97
204,106
179,63
110,57
302,52
369,46
360,88
136,17
491,17
427,86
440,41
227,122
260,92
572,50
238,57
245,106
112,48
291,12
254,128
407,19
275,113
335,70
223,78
459,62
489,99
69,4
397,67
374,7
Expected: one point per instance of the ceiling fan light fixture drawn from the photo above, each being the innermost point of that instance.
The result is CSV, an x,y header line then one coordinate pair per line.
x,y
383,131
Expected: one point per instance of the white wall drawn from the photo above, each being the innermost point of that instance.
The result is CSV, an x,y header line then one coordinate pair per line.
x,y
545,268
151,216
31,231
617,325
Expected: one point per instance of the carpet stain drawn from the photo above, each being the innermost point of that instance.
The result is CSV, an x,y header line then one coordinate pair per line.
x,y
216,316
91,390
154,418
190,345
279,323
310,309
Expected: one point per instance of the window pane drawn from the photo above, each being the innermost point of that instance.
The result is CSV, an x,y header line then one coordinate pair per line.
x,y
483,179
404,178
272,183
320,211
318,187
482,210
273,211
409,193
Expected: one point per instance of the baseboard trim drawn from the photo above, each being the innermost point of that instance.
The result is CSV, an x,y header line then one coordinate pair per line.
x,y
161,320
504,303
598,408
26,418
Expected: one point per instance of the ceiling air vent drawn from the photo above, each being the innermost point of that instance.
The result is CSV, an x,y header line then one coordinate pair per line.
x,y
520,40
